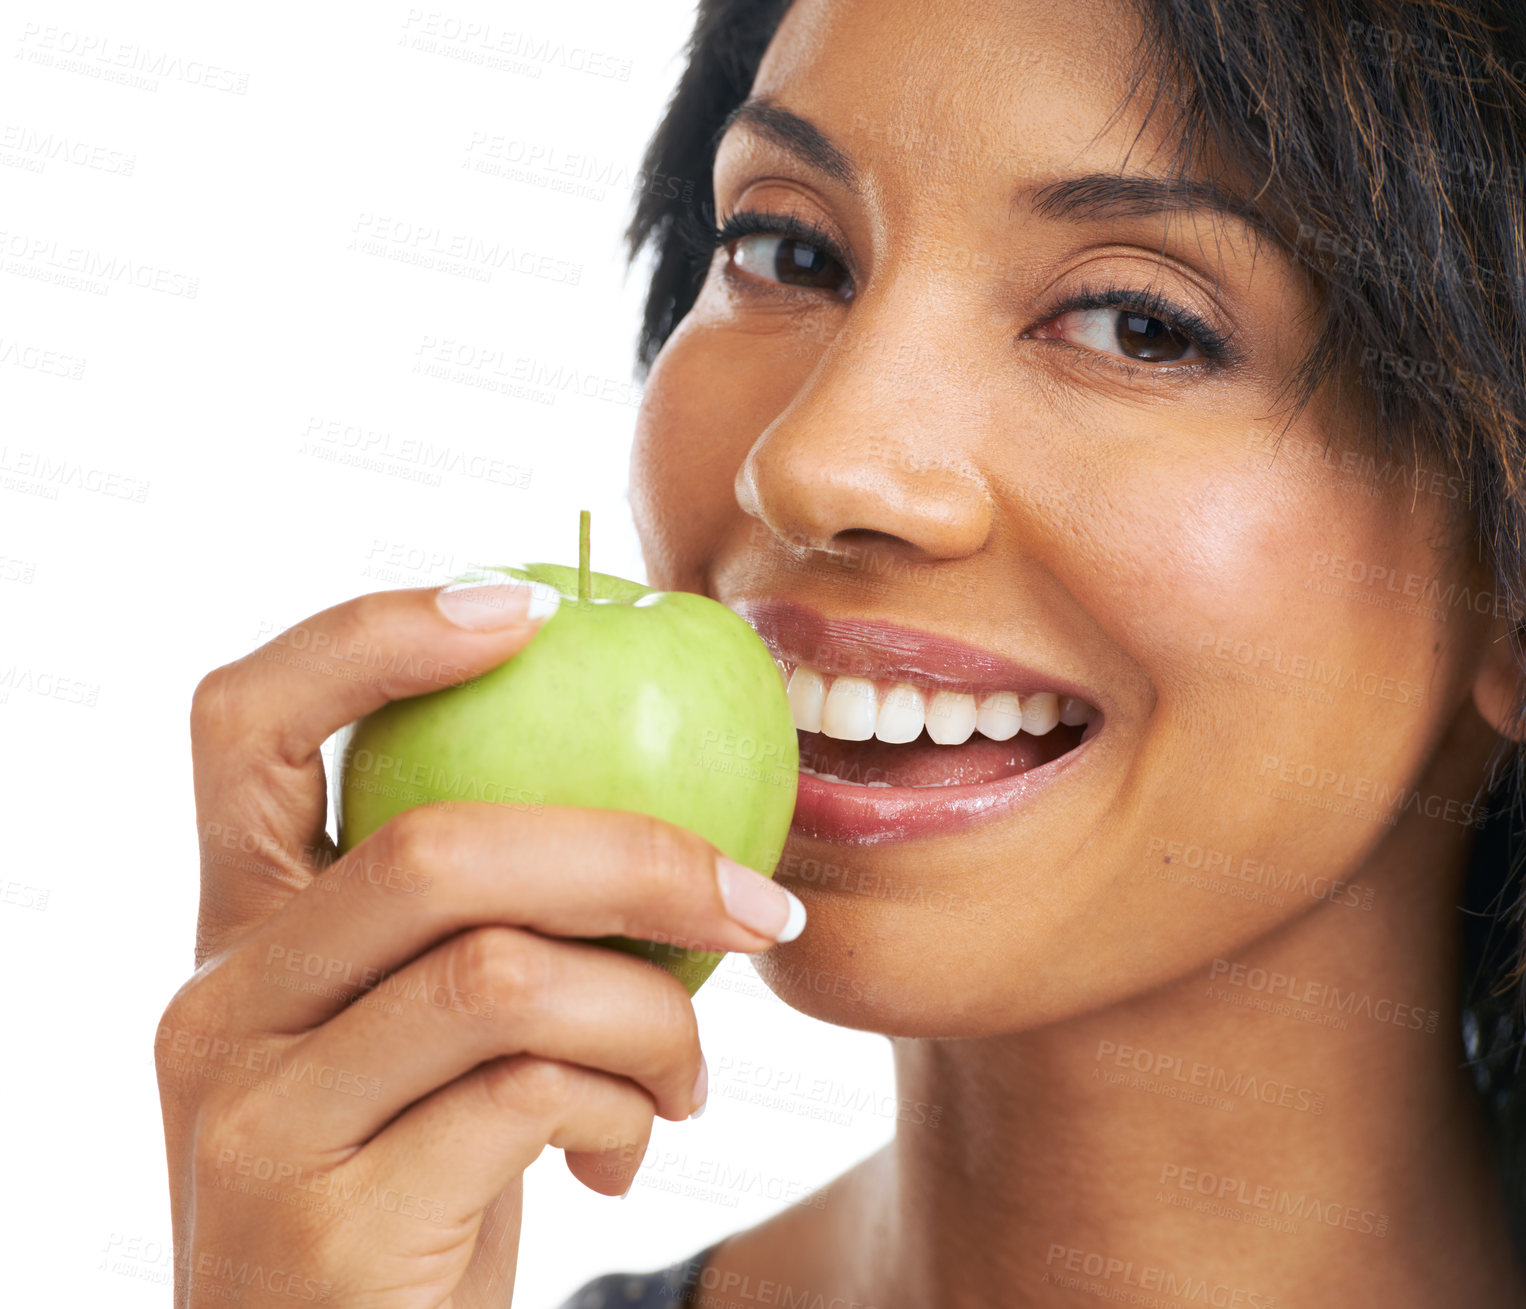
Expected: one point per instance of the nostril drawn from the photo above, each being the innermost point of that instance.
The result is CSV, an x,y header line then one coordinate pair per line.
x,y
866,538
867,534
878,552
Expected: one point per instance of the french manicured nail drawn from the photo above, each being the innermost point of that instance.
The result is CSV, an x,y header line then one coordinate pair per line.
x,y
758,902
486,606
701,1088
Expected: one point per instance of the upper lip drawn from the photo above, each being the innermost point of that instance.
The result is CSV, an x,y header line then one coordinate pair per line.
x,y
849,647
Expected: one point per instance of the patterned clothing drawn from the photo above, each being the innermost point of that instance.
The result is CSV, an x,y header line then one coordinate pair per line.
x,y
667,1288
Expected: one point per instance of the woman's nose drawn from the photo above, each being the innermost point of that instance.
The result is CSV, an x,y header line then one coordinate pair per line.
x,y
881,438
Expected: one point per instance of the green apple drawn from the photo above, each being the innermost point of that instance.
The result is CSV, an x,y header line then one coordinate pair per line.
x,y
663,703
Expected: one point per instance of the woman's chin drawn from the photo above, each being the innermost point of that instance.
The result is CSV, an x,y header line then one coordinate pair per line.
x,y
853,968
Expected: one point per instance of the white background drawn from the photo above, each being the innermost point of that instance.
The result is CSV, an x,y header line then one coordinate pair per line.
x,y
196,498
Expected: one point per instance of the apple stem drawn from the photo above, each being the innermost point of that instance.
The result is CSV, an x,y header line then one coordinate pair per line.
x,y
583,519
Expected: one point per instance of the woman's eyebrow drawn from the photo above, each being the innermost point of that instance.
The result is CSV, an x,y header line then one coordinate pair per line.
x,y
798,135
1092,197
1097,197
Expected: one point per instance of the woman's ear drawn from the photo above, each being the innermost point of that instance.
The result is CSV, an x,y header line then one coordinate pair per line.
x,y
1498,683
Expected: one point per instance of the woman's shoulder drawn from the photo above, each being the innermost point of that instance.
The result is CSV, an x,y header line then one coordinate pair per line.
x,y
666,1288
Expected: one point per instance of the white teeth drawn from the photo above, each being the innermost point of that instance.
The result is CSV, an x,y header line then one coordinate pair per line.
x,y
901,715
850,709
806,691
951,717
999,716
1041,711
1074,712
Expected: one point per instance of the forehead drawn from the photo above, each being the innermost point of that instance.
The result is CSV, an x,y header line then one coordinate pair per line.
x,y
964,89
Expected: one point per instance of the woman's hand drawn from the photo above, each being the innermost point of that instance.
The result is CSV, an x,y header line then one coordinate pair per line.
x,y
369,1151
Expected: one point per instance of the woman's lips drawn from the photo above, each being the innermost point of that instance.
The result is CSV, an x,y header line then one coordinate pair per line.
x,y
865,792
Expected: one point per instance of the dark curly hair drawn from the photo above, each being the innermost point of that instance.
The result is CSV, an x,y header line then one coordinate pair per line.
x,y
1382,140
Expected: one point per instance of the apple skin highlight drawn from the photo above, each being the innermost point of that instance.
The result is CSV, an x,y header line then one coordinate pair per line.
x,y
663,703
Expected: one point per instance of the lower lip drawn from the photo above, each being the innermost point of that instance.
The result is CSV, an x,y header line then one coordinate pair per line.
x,y
868,815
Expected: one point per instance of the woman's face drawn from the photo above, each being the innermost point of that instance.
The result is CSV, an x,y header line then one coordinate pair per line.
x,y
1034,416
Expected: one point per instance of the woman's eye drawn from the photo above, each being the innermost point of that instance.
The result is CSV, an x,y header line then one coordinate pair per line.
x,y
1124,332
788,260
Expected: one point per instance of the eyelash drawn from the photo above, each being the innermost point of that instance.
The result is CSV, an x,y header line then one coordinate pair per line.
x,y
702,240
1218,348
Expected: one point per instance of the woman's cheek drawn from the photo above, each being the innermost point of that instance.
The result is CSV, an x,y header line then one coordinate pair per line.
x,y
1218,566
682,459
718,383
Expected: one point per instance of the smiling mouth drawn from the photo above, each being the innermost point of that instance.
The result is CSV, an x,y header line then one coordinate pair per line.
x,y
905,733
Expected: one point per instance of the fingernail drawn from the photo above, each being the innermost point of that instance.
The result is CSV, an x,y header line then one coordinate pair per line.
x,y
758,902
701,1088
485,607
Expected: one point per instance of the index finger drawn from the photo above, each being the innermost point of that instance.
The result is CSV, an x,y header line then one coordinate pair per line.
x,y
257,726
